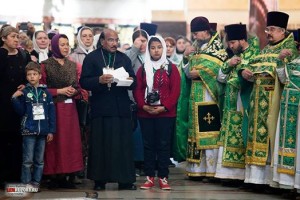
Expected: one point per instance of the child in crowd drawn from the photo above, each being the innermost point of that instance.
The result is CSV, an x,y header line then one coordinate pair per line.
x,y
34,103
156,94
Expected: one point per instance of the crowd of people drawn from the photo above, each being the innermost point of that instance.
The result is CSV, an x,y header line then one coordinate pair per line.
x,y
220,104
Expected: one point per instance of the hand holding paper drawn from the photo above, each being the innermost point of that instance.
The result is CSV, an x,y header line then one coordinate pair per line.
x,y
121,77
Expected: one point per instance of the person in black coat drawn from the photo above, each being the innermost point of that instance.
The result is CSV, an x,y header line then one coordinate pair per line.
x,y
110,143
12,77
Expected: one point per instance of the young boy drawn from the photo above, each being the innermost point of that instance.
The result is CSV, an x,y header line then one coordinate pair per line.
x,y
34,103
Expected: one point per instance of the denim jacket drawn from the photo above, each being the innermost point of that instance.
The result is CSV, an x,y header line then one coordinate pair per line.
x,y
23,105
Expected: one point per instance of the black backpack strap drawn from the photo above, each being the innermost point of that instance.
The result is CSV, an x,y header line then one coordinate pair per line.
x,y
143,71
169,68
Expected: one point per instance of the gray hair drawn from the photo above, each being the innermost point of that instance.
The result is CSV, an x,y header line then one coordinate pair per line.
x,y
5,31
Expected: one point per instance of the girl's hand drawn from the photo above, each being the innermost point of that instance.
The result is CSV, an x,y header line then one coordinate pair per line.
x,y
157,110
148,108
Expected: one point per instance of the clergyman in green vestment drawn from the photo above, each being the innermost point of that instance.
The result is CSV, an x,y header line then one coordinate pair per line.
x,y
231,159
287,141
202,62
260,73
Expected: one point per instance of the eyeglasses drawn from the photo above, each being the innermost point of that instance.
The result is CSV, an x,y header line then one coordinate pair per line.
x,y
111,40
271,29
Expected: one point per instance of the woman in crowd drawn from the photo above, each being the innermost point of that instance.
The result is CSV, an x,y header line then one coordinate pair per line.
x,y
40,42
156,94
22,37
171,53
85,39
137,51
12,77
64,154
181,43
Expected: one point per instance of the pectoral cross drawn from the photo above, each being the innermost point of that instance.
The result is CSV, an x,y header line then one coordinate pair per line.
x,y
109,70
208,118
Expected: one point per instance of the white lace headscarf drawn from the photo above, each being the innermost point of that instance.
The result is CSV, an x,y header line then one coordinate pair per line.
x,y
151,64
43,53
84,48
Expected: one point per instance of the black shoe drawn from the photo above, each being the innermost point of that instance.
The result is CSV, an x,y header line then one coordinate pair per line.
x,y
127,186
52,184
99,186
66,184
195,178
231,183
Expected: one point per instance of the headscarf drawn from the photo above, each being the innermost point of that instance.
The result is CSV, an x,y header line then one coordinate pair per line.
x,y
55,45
43,53
151,64
84,48
96,39
144,34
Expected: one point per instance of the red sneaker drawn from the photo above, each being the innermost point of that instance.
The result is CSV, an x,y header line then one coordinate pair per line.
x,y
148,184
163,184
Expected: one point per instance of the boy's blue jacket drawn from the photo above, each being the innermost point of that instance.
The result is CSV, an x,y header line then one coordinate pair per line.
x,y
23,106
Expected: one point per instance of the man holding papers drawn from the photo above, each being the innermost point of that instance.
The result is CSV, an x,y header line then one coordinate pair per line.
x,y
105,72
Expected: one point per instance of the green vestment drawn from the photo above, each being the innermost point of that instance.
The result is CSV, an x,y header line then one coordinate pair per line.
x,y
262,100
203,115
289,114
231,131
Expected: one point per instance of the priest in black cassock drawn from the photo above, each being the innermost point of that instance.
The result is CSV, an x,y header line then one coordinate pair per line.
x,y
110,156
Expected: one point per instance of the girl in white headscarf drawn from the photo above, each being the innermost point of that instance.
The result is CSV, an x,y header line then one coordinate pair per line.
x,y
85,39
153,63
156,94
40,42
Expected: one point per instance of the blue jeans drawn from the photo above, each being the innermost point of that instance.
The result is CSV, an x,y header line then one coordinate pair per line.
x,y
33,158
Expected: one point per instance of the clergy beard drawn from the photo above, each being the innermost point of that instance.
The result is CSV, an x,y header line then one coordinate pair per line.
x,y
238,51
202,42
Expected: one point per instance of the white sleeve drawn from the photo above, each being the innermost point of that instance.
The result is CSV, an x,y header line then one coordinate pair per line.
x,y
222,77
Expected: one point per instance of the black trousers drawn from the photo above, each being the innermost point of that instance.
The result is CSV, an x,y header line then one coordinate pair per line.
x,y
157,140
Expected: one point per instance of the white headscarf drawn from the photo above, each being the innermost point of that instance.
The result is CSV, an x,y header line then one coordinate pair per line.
x,y
84,48
151,64
96,38
142,55
43,53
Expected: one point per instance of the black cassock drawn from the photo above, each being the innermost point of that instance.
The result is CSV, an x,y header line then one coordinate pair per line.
x,y
110,156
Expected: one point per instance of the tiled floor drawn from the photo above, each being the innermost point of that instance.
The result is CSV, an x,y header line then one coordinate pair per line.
x,y
182,188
